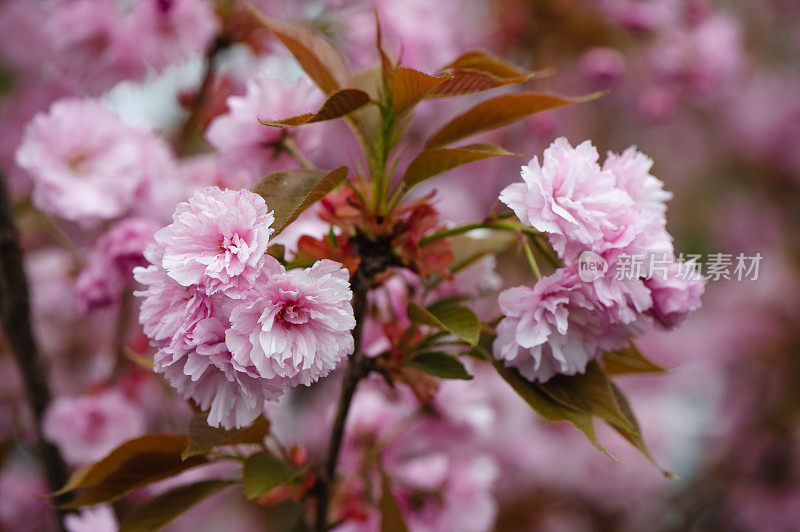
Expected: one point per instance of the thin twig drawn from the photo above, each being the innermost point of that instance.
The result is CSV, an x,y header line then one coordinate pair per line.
x,y
209,72
15,317
289,146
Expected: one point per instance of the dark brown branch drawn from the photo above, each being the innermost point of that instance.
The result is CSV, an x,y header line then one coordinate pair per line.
x,y
15,317
355,370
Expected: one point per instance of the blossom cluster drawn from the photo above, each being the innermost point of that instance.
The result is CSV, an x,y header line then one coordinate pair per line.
x,y
233,327
609,211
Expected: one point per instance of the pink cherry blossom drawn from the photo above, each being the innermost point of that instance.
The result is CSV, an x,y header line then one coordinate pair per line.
x,y
85,163
246,144
631,172
164,300
217,240
569,197
86,39
189,327
93,519
605,66
111,262
427,35
551,328
295,324
87,428
23,507
162,32
675,294
200,367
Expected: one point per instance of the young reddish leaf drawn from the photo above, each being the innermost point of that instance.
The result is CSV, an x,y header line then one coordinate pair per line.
x,y
485,62
458,320
162,509
290,192
263,472
409,86
440,365
496,112
434,161
480,70
590,392
391,514
317,56
338,104
627,361
132,465
634,436
387,67
203,437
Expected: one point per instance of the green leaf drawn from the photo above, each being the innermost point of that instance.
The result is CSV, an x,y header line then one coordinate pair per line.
x,y
634,436
629,360
263,472
338,104
203,437
468,249
317,56
456,319
289,192
162,509
133,464
544,405
479,70
391,514
590,392
435,161
409,86
497,112
440,365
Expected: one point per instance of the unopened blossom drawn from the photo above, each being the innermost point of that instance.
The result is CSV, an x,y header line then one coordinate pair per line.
x,y
86,165
217,240
111,262
569,197
93,519
551,328
675,294
296,324
246,144
87,428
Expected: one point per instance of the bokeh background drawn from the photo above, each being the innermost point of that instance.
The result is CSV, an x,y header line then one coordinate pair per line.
x,y
709,89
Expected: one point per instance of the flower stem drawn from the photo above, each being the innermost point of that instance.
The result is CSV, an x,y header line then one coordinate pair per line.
x,y
531,259
288,145
503,226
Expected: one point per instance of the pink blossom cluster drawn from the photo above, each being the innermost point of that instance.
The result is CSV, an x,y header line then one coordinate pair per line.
x,y
232,326
565,320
